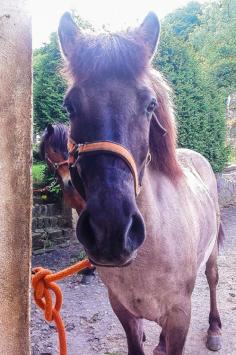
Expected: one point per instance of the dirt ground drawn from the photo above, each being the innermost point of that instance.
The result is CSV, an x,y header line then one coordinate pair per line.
x,y
92,327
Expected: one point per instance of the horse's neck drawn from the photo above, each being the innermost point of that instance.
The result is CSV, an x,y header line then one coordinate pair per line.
x,y
150,198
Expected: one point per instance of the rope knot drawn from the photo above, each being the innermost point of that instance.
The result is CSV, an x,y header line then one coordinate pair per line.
x,y
44,285
43,289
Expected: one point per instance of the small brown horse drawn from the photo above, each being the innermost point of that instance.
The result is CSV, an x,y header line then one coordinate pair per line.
x,y
53,150
148,245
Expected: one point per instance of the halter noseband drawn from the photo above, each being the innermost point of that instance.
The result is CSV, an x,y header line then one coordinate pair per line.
x,y
108,147
113,148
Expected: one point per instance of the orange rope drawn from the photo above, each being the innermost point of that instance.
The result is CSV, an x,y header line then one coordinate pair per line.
x,y
43,283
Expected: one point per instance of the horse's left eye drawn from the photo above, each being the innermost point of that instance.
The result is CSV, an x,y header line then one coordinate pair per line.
x,y
151,107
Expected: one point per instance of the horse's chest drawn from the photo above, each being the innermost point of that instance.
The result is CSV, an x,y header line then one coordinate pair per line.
x,y
145,292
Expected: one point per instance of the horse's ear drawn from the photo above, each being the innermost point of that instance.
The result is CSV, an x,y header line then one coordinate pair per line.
x,y
50,129
150,32
67,32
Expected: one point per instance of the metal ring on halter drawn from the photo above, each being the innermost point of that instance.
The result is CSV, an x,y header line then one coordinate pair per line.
x,y
56,165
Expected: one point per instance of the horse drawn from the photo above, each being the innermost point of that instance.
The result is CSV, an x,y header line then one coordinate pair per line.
x,y
152,216
53,150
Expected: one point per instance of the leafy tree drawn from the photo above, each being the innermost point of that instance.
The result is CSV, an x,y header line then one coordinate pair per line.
x,y
49,86
183,21
200,116
214,43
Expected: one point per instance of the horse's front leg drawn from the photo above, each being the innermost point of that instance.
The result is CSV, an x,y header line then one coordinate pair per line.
x,y
174,331
133,327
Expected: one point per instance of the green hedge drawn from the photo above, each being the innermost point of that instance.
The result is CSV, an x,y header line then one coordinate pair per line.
x,y
200,109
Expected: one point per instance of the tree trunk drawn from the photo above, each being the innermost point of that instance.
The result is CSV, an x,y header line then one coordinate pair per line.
x,y
15,175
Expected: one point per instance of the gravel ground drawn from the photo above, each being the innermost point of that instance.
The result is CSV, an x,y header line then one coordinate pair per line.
x,y
92,327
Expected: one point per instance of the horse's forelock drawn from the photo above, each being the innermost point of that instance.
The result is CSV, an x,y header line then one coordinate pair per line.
x,y
58,139
121,55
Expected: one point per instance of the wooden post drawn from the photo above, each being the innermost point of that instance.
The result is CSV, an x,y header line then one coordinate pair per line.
x,y
15,175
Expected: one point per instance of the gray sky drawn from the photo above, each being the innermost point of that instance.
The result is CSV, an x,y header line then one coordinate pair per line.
x,y
115,14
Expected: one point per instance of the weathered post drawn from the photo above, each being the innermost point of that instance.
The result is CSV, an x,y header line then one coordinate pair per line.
x,y
15,175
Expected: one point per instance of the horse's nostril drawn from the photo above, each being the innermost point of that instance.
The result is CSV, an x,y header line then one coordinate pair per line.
x,y
70,183
85,232
136,233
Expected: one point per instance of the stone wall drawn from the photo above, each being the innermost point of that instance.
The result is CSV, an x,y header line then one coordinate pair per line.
x,y
226,182
51,226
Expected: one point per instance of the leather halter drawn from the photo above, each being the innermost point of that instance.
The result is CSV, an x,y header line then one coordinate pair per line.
x,y
56,166
108,147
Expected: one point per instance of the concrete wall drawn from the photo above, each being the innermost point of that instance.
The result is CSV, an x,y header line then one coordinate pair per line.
x,y
15,176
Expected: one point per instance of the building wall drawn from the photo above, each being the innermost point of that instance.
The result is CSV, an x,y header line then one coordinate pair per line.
x,y
15,175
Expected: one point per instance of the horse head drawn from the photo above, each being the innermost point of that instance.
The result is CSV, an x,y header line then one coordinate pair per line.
x,y
53,148
113,102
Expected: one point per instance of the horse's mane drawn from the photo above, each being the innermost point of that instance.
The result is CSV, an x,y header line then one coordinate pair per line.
x,y
58,139
125,56
163,148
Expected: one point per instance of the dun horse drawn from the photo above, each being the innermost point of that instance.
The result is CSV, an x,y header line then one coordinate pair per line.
x,y
147,227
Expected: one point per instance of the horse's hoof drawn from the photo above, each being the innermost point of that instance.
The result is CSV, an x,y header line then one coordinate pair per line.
x,y
213,342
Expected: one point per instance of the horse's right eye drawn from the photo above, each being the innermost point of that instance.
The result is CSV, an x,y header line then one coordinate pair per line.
x,y
69,108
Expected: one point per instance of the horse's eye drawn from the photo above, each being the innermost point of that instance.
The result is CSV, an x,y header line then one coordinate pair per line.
x,y
151,107
69,108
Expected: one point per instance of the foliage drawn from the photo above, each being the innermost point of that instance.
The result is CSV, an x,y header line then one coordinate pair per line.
x,y
189,56
232,156
50,180
43,177
214,43
49,86
36,154
38,170
183,21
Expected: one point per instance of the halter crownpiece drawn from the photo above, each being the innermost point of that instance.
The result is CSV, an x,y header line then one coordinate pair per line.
x,y
110,148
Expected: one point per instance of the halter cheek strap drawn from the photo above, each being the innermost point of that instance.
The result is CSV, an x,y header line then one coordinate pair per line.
x,y
108,147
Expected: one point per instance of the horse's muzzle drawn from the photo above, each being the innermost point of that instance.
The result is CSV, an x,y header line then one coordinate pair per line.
x,y
111,241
